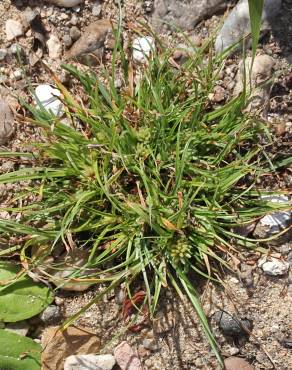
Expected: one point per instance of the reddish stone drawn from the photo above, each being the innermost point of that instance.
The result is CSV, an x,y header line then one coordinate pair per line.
x,y
237,363
126,358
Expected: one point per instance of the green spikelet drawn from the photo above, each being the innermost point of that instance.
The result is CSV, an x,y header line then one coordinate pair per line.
x,y
180,251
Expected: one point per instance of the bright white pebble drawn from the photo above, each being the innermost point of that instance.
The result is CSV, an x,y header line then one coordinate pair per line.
x,y
142,48
47,97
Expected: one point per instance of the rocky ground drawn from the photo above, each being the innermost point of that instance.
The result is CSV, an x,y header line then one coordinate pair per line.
x,y
258,295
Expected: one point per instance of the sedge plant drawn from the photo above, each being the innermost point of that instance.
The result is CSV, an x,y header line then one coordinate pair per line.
x,y
150,179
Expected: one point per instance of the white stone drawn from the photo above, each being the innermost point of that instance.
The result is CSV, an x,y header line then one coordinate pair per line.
x,y
13,29
89,362
47,97
142,48
54,47
276,221
273,266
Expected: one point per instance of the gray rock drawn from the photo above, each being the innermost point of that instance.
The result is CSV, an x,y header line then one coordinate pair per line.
x,y
183,14
13,29
273,266
67,41
257,81
150,344
234,351
30,15
20,328
3,54
6,122
75,33
74,20
54,47
96,9
231,326
237,24
17,74
65,3
89,362
50,314
275,222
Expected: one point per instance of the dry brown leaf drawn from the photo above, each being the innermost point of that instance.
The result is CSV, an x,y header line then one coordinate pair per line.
x,y
59,345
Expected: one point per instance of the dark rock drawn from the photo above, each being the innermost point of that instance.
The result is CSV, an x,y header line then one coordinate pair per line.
x,y
287,342
232,326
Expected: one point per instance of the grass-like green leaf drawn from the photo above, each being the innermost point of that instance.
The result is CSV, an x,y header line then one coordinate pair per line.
x,y
255,13
150,179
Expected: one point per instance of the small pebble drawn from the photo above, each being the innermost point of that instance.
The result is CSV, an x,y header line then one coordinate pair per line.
x,y
59,301
150,344
50,314
96,9
126,357
273,266
74,20
54,47
3,54
48,97
233,351
75,33
237,363
30,15
13,29
142,48
17,74
67,41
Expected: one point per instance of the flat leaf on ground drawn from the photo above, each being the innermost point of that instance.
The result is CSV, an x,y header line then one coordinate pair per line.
x,y
18,352
23,298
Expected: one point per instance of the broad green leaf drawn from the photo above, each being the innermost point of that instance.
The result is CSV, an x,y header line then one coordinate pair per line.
x,y
18,352
22,298
255,13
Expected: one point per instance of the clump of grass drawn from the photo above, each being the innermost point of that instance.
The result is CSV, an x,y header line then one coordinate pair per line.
x,y
152,180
